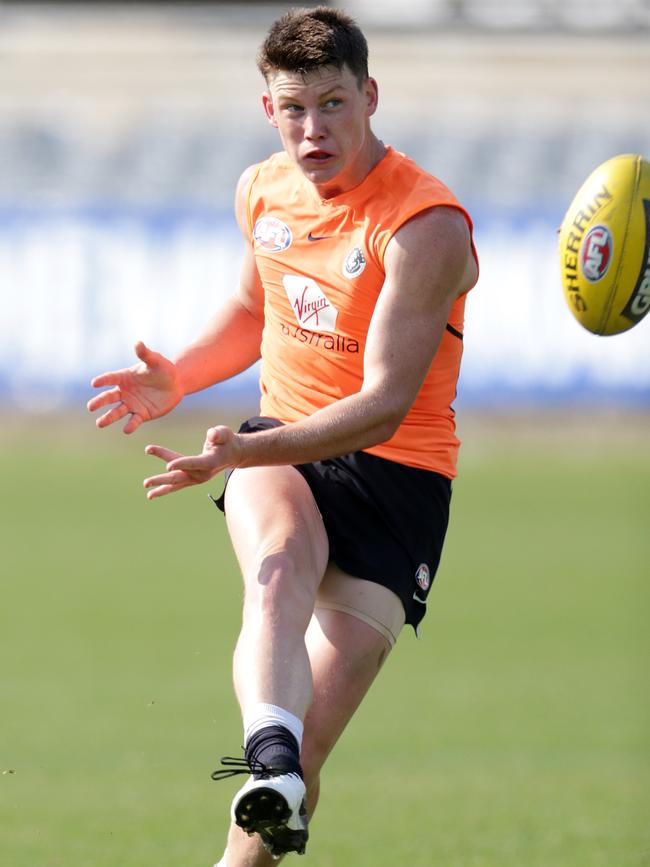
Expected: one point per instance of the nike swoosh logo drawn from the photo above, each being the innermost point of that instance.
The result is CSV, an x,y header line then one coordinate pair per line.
x,y
311,237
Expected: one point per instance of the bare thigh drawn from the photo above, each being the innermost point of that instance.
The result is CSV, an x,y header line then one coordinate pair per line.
x,y
373,603
271,515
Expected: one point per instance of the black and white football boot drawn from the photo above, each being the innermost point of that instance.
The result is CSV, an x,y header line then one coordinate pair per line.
x,y
271,804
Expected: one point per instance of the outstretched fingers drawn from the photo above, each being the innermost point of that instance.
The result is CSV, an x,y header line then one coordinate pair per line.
x,y
161,452
162,491
133,423
145,354
111,377
181,471
166,483
112,415
193,463
113,395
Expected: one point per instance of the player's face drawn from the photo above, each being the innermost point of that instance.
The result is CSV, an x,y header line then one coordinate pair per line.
x,y
324,122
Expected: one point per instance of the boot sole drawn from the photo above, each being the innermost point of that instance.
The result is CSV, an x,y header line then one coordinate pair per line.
x,y
266,812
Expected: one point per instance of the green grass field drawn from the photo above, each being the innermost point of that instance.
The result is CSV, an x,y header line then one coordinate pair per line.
x,y
514,733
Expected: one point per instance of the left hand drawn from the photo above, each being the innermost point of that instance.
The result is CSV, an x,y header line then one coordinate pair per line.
x,y
220,451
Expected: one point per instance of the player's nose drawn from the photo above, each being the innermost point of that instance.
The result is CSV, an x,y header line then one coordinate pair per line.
x,y
314,126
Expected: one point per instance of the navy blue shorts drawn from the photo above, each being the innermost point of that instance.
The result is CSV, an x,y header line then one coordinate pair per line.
x,y
386,522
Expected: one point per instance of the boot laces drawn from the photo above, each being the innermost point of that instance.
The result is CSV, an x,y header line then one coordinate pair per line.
x,y
233,766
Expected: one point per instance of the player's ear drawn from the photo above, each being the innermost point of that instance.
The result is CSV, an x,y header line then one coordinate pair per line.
x,y
371,93
269,109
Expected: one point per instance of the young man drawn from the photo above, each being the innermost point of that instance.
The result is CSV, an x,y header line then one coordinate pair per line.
x,y
352,292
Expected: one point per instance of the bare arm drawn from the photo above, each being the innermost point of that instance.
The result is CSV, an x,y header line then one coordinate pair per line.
x,y
428,264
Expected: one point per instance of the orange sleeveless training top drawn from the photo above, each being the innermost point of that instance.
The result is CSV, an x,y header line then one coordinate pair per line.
x,y
321,262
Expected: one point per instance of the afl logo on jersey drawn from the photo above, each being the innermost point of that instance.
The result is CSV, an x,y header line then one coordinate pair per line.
x,y
273,235
354,263
423,577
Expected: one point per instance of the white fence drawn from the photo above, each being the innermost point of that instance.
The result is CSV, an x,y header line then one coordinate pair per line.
x,y
77,291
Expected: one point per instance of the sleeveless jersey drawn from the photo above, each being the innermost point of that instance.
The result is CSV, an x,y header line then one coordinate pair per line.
x,y
321,263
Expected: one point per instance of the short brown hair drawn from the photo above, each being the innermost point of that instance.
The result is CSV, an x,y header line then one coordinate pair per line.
x,y
305,39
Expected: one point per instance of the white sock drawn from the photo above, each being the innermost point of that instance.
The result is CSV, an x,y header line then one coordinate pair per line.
x,y
261,715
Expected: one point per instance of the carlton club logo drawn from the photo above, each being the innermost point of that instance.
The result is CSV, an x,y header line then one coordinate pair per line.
x,y
309,303
354,263
273,235
423,577
596,253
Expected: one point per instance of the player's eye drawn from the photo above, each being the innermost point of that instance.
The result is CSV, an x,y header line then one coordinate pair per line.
x,y
333,103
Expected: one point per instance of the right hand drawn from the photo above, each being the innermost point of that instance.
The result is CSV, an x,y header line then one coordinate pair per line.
x,y
221,449
145,391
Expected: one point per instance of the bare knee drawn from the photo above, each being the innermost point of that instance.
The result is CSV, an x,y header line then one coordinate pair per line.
x,y
280,590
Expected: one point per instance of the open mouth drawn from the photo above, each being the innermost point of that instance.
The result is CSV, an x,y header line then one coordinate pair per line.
x,y
318,156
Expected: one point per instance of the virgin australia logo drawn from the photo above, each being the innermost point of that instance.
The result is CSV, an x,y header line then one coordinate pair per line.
x,y
309,303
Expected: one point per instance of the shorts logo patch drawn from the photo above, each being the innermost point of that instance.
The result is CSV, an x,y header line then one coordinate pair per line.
x,y
423,577
354,263
309,303
272,235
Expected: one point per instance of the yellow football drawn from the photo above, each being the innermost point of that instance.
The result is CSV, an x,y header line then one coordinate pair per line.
x,y
605,247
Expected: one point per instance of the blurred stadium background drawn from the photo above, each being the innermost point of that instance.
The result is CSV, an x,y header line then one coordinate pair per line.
x,y
517,734
124,126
